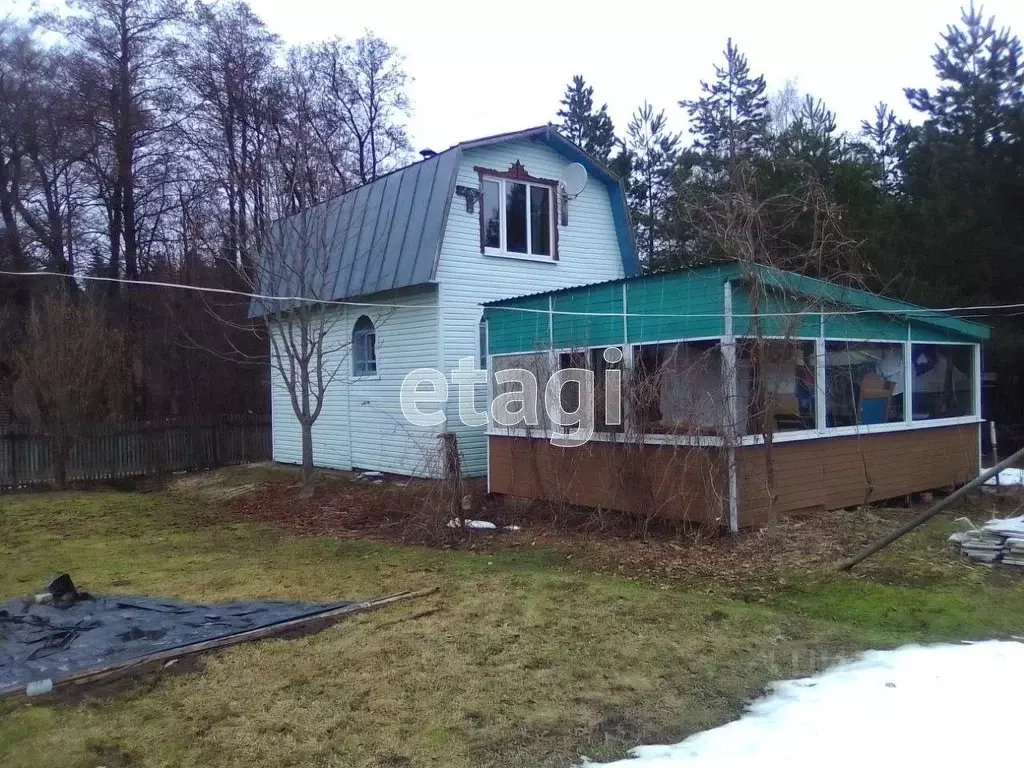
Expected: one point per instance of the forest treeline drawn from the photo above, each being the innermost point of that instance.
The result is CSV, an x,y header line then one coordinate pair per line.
x,y
930,210
154,139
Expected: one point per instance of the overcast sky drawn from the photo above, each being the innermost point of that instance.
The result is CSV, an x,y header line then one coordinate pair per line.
x,y
481,68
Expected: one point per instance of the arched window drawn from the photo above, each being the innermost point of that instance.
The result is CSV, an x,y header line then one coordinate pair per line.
x,y
364,348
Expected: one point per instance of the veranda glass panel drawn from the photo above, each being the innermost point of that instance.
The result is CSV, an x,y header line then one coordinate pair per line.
x,y
530,376
678,389
776,385
943,383
864,383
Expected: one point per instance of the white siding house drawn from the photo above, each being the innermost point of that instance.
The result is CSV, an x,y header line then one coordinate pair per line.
x,y
426,265
588,251
361,424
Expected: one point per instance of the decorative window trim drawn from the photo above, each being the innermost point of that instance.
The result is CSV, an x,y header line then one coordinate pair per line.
x,y
471,196
517,172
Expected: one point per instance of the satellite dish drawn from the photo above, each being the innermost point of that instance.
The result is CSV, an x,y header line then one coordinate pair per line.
x,y
574,179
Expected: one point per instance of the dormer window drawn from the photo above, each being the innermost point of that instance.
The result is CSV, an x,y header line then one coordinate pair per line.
x,y
517,214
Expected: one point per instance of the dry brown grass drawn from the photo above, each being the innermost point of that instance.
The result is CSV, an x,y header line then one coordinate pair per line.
x,y
520,659
537,647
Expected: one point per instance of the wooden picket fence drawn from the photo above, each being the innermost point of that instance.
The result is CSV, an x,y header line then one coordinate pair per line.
x,y
136,449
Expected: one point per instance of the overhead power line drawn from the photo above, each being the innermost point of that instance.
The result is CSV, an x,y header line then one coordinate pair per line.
x,y
206,289
653,315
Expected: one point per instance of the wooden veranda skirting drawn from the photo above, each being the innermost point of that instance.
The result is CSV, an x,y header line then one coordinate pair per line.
x,y
674,482
835,472
689,483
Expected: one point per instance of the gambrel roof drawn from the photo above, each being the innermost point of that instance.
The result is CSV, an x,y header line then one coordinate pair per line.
x,y
386,235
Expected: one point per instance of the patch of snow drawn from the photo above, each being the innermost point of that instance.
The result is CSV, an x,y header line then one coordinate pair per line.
x,y
476,525
1008,476
480,525
917,705
1010,526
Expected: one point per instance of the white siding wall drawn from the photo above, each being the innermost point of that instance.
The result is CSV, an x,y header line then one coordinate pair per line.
x,y
588,252
361,424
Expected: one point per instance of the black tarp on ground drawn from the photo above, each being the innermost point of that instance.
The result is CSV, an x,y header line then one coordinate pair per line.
x,y
45,641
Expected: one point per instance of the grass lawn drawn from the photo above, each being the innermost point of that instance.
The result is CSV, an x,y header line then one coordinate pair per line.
x,y
525,656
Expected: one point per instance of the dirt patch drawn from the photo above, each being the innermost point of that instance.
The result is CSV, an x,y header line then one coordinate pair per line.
x,y
109,754
406,511
794,547
201,488
393,509
227,483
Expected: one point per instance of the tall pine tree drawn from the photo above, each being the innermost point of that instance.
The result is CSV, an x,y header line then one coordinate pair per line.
x,y
962,175
730,119
882,139
654,150
590,129
982,83
807,155
810,138
963,166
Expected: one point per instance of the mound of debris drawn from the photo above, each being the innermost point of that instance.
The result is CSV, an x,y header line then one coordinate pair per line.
x,y
998,541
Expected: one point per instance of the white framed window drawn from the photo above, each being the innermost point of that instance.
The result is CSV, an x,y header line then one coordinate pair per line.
x,y
364,347
517,216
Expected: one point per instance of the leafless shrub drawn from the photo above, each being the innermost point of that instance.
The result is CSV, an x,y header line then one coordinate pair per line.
x,y
762,232
72,362
435,507
674,393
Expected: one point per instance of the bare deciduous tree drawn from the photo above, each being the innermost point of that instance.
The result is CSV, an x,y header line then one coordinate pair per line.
x,y
367,85
309,338
43,130
294,277
121,48
153,140
228,71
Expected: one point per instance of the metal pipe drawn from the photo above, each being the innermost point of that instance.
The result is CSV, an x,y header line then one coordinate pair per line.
x,y
931,512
